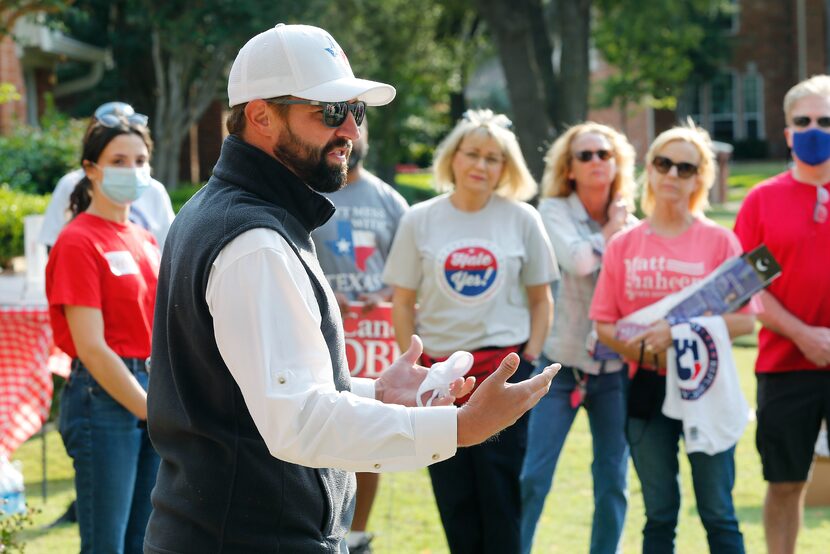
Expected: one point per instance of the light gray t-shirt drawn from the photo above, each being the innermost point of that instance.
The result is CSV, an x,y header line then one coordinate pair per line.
x,y
471,270
353,245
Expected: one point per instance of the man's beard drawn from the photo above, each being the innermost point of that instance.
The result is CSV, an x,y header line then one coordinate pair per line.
x,y
310,164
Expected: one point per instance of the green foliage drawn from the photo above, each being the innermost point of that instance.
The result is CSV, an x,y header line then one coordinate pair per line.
x,y
657,46
11,526
424,49
14,206
32,159
8,93
12,10
182,194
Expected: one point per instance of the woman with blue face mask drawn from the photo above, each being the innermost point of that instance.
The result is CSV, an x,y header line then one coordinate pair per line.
x,y
101,285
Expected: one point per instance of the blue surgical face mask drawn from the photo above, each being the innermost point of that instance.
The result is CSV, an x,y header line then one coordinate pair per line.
x,y
125,184
812,147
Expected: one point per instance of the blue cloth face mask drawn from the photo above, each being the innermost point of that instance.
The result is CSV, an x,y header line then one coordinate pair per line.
x,y
812,147
125,184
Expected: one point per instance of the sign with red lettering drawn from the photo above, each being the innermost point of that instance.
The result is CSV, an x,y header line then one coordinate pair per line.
x,y
370,339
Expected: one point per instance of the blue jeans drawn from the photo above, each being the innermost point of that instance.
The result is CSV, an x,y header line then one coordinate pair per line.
x,y
654,449
115,465
550,421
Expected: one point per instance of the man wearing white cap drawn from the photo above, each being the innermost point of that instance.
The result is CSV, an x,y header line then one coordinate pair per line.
x,y
250,406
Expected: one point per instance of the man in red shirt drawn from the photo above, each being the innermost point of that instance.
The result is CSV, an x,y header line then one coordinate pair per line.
x,y
789,213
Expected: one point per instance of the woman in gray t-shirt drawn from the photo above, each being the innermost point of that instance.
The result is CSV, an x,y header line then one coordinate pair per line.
x,y
478,262
587,193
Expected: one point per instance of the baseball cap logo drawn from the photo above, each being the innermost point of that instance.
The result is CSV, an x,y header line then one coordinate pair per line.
x,y
337,52
332,49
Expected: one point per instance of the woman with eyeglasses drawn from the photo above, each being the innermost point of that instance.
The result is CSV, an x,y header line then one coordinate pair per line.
x,y
478,263
672,248
587,193
101,285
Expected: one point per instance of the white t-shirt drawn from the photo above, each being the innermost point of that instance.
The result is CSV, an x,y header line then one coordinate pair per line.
x,y
152,211
702,386
471,270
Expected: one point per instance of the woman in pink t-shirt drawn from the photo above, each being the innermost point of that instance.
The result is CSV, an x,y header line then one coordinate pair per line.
x,y
675,246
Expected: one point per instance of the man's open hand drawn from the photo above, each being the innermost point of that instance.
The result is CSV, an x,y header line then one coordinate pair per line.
x,y
399,383
497,404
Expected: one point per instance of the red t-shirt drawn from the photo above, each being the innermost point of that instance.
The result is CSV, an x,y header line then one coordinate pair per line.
x,y
639,267
779,214
110,266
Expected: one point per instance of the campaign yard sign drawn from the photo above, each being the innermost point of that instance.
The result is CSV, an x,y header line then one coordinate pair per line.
x,y
370,339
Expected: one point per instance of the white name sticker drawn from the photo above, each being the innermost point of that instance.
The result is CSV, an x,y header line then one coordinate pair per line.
x,y
121,263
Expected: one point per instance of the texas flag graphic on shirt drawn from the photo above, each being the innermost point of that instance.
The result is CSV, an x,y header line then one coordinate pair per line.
x,y
352,243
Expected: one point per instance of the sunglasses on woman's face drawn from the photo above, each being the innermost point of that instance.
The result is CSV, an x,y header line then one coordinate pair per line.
x,y
664,165
114,120
334,113
805,120
586,156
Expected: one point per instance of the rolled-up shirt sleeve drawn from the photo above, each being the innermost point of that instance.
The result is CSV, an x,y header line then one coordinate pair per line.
x,y
267,328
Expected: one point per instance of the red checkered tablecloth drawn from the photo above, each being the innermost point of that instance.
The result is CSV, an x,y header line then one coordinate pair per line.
x,y
27,359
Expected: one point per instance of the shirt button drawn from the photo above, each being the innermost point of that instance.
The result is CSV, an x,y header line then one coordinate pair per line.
x,y
436,456
281,380
377,466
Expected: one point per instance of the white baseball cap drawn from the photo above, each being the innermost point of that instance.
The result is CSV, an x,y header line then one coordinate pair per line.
x,y
301,61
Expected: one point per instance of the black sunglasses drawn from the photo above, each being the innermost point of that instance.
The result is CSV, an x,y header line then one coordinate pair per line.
x,y
804,120
586,156
334,113
114,120
664,165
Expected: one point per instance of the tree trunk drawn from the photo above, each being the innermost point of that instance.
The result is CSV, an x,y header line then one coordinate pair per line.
x,y
180,102
543,50
575,31
510,25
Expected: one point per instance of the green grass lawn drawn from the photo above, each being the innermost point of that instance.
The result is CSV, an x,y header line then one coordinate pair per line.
x,y
405,518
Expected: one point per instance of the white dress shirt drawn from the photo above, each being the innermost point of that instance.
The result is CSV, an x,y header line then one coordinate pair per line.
x,y
267,328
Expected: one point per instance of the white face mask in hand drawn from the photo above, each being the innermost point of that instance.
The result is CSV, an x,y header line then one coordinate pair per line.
x,y
125,184
442,374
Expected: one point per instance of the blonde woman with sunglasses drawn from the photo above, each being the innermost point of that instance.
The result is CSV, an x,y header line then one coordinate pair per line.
x,y
675,246
587,194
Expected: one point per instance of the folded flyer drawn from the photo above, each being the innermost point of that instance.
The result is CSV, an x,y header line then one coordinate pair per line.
x,y
724,290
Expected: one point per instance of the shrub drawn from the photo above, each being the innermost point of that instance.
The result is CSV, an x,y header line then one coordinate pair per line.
x,y
182,194
33,159
14,206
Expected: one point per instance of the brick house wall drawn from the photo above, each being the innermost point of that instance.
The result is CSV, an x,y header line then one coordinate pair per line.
x,y
765,54
767,37
10,72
